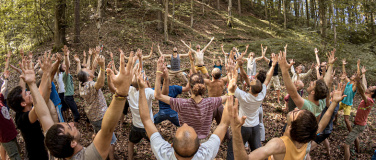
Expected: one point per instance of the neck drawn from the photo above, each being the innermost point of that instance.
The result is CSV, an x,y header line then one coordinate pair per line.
x,y
77,149
312,99
250,91
27,108
297,144
196,98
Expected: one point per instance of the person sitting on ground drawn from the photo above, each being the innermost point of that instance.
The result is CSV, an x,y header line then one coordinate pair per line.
x,y
186,143
218,63
95,104
350,90
202,107
250,106
360,121
199,57
302,128
62,139
175,70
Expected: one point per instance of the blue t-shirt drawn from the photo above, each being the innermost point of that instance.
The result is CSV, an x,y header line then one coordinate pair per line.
x,y
54,96
348,100
219,67
328,129
173,92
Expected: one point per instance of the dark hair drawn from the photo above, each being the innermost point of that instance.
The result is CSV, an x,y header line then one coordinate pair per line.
x,y
257,88
373,93
82,77
15,99
321,90
261,76
304,127
38,82
60,68
217,75
197,84
59,143
185,147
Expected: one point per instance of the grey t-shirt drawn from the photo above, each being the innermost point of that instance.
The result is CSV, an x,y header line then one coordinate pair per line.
x,y
88,153
164,151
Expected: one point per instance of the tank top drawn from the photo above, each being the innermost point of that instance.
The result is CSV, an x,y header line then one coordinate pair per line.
x,y
293,153
251,67
348,100
175,63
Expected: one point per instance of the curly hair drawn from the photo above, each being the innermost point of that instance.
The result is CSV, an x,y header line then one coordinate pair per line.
x,y
15,99
261,76
197,84
304,127
321,90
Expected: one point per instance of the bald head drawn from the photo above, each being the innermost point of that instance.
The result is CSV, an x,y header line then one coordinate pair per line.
x,y
186,142
216,73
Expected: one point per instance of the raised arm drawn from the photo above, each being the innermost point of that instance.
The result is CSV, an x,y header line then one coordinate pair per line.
x,y
309,72
364,80
290,87
161,54
45,84
344,71
189,47
88,63
4,86
166,83
111,86
55,66
151,52
317,57
78,62
101,77
40,106
329,72
221,129
269,75
66,59
206,47
157,93
359,86
7,61
143,106
111,118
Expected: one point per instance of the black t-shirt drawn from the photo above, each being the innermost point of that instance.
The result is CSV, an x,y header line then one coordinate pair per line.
x,y
33,136
275,73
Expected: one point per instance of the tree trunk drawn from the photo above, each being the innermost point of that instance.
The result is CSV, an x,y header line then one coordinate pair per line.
x,y
59,35
307,12
322,8
315,14
203,7
266,10
239,7
100,14
229,22
159,15
165,21
279,7
312,3
217,4
284,14
173,16
270,16
192,13
296,9
76,21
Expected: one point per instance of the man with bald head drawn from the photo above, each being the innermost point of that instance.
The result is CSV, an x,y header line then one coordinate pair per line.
x,y
185,143
175,70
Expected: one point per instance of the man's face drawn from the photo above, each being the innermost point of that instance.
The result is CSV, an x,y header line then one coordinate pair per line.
x,y
371,90
311,87
72,130
251,54
63,67
352,78
217,63
198,47
299,69
26,95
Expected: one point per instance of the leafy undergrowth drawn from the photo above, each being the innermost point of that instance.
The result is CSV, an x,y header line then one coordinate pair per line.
x,y
135,27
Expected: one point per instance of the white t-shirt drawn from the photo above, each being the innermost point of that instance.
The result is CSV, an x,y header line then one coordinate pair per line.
x,y
251,67
249,105
133,105
164,151
60,82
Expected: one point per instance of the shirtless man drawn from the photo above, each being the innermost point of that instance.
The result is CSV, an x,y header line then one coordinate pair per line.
x,y
175,64
199,57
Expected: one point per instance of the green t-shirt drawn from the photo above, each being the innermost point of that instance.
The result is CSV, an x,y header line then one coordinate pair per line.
x,y
68,84
316,110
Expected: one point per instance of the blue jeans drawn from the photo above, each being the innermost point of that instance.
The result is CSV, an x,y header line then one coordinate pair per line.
x,y
171,116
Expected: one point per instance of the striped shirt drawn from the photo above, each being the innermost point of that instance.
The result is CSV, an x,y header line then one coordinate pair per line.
x,y
197,115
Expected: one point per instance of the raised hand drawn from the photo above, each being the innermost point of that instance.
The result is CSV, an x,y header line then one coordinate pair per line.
x,y
46,63
75,57
84,54
344,61
316,51
338,93
233,109
292,62
65,50
331,57
246,47
358,63
9,53
58,57
313,66
112,56
122,81
28,74
285,48
364,70
275,60
140,79
212,39
22,53
90,52
222,46
6,74
101,61
191,58
282,61
160,64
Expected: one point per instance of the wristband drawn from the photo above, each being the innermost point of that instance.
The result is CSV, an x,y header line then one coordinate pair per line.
x,y
231,94
159,72
102,69
330,64
120,97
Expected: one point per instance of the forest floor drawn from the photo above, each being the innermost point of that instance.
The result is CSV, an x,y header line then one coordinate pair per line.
x,y
135,27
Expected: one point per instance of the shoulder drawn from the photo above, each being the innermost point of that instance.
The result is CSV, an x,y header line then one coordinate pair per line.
x,y
91,152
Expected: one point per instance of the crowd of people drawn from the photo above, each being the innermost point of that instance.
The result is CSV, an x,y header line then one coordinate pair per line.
x,y
42,109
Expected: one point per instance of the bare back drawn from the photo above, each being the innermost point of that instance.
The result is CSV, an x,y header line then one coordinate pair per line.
x,y
216,87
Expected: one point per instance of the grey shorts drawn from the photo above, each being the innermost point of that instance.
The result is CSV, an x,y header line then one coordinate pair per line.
x,y
12,149
356,130
97,125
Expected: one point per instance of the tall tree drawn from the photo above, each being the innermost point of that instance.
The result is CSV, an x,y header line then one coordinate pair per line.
x,y
165,21
239,7
192,12
217,4
100,14
284,14
76,21
229,21
173,16
159,16
307,12
266,9
322,9
59,35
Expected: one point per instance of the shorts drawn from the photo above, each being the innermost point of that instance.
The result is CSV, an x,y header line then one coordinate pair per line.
x,y
276,83
97,125
346,108
321,137
356,130
202,69
126,106
12,149
137,134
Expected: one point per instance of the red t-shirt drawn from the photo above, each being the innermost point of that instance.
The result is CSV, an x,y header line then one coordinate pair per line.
x,y
7,129
363,112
